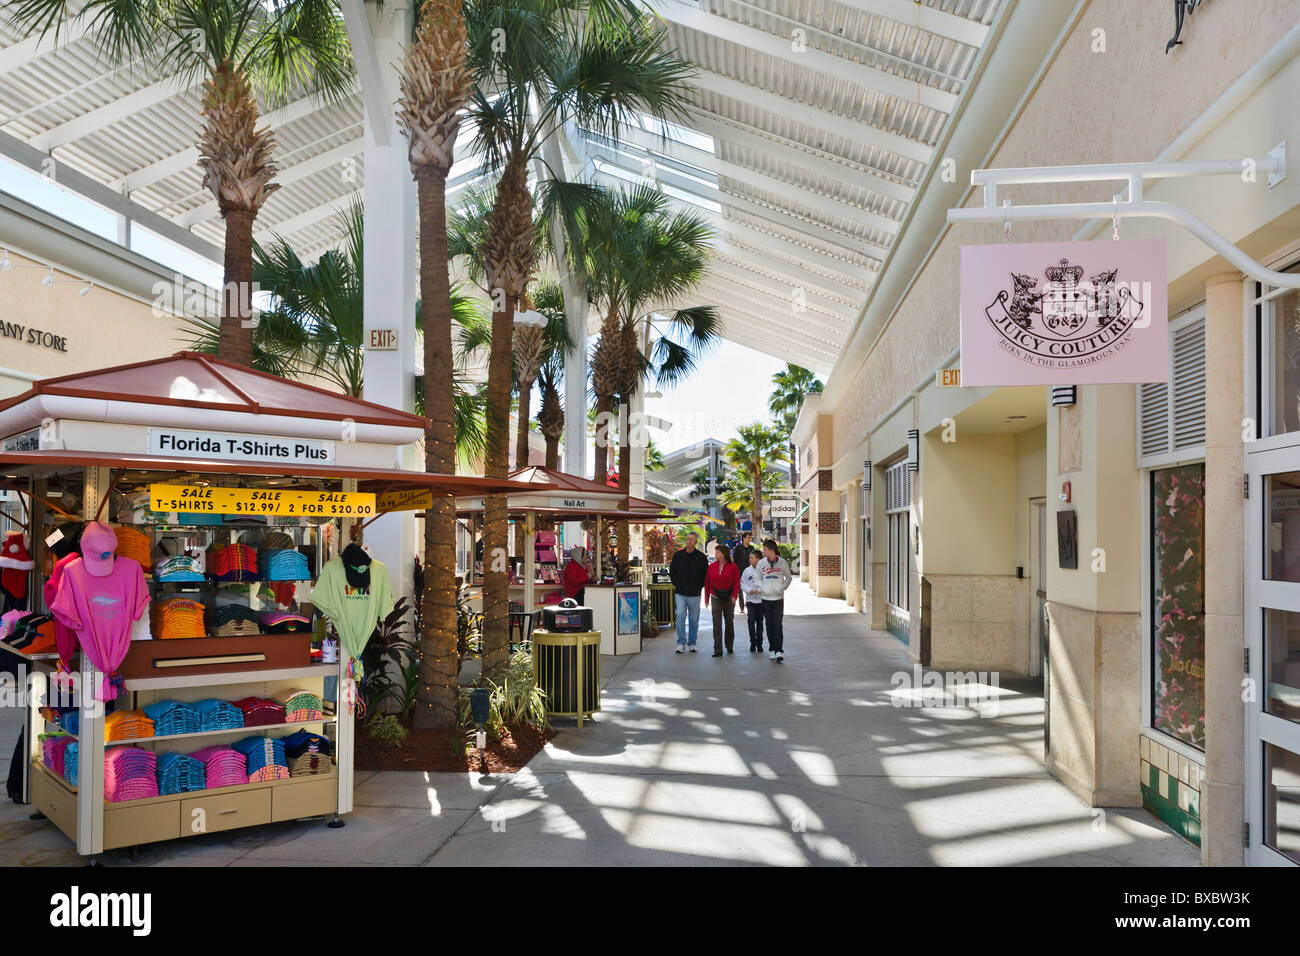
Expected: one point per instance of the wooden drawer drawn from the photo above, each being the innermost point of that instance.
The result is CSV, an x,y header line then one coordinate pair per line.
x,y
131,826
311,798
245,808
56,802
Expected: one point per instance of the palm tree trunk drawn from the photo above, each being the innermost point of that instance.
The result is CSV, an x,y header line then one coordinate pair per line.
x,y
758,509
601,467
623,529
437,698
522,422
235,341
604,382
794,467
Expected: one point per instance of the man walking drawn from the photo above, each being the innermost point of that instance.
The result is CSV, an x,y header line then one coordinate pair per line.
x,y
687,571
773,573
740,558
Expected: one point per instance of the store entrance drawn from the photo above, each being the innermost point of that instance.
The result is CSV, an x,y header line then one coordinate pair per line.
x,y
1273,653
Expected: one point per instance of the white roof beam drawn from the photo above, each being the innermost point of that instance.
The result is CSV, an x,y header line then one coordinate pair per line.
x,y
287,227
291,174
366,63
781,270
781,48
811,322
813,161
108,114
826,205
750,324
743,264
835,123
33,47
824,233
930,19
781,245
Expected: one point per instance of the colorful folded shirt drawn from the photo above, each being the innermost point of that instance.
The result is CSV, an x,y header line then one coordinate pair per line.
x,y
235,562
222,766
127,725
219,715
70,763
285,565
177,618
53,747
172,717
232,620
134,545
180,773
178,567
260,711
130,773
265,756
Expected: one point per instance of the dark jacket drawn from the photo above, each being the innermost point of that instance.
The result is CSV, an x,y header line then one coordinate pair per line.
x,y
740,555
687,572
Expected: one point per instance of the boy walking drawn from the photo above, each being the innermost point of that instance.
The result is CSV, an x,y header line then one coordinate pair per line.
x,y
774,576
751,595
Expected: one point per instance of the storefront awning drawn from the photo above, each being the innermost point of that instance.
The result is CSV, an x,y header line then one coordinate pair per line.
x,y
369,479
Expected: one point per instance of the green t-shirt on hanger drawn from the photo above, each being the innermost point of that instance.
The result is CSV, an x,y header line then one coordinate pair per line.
x,y
354,610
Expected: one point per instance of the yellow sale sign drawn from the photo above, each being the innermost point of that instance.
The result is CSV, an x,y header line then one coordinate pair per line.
x,y
261,501
410,499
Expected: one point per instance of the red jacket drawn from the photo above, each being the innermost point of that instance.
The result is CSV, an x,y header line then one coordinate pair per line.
x,y
575,578
721,577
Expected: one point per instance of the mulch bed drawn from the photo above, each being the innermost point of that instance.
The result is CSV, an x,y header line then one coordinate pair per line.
x,y
435,750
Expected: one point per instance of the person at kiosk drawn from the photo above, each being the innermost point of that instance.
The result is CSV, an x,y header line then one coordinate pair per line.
x,y
576,578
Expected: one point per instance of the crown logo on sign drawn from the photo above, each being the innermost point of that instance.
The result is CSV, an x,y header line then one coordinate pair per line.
x,y
1064,274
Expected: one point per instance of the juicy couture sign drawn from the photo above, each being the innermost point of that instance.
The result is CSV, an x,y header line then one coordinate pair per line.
x,y
1064,313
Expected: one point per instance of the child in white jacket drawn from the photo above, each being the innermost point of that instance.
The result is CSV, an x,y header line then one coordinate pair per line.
x,y
773,574
752,593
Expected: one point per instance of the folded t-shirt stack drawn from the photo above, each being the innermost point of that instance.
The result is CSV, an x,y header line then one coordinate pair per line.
x,y
222,766
178,567
135,546
130,773
172,717
285,622
302,705
70,720
235,562
233,620
53,749
127,725
265,756
177,618
307,753
260,711
218,715
180,773
285,564
70,763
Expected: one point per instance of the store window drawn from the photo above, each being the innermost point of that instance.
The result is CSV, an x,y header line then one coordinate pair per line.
x,y
1281,322
898,503
864,540
1282,801
844,538
1178,603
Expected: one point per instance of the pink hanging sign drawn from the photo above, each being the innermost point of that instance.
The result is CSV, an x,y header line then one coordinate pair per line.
x,y
1064,313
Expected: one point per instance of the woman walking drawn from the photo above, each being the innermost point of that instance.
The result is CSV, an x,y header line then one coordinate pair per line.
x,y
721,585
576,578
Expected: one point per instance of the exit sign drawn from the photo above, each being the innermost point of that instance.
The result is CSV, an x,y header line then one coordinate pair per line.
x,y
382,340
948,378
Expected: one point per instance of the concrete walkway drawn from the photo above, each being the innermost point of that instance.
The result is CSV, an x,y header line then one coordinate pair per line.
x,y
696,760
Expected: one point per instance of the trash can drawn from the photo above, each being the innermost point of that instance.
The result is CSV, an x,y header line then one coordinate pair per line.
x,y
663,603
566,666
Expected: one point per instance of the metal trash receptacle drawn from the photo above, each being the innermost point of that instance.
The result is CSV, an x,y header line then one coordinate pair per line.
x,y
663,602
566,666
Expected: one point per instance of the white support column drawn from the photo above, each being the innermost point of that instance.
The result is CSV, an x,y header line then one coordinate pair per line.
x,y
390,263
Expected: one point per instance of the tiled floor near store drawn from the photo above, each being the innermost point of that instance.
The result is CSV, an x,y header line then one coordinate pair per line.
x,y
696,760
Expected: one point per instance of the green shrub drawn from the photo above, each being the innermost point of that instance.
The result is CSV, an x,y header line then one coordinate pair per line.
x,y
515,701
386,728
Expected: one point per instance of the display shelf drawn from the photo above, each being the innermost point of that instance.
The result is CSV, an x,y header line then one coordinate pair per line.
x,y
233,731
231,677
169,797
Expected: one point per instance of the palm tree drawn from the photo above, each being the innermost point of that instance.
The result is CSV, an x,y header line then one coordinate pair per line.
x,y
436,84
551,415
654,458
791,385
536,346
737,494
597,61
243,51
751,453
639,258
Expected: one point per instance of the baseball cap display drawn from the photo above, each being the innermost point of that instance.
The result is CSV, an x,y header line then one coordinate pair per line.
x,y
356,566
98,544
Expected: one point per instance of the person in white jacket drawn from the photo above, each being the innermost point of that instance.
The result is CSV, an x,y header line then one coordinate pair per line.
x,y
752,594
773,573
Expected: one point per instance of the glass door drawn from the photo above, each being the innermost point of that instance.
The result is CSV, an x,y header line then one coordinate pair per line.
x,y
1272,690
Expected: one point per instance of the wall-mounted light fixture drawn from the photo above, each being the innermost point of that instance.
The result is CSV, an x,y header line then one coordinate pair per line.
x,y
866,474
1063,395
913,450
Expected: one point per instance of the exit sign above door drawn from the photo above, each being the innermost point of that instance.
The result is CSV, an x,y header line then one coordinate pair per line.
x,y
382,340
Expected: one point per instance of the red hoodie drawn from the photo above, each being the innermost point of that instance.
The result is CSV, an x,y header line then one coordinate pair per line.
x,y
721,577
575,578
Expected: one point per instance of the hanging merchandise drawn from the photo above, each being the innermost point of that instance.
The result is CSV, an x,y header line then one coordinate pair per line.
x,y
65,638
99,598
353,591
15,565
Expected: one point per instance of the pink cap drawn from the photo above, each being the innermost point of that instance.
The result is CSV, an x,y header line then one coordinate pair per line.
x,y
98,542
